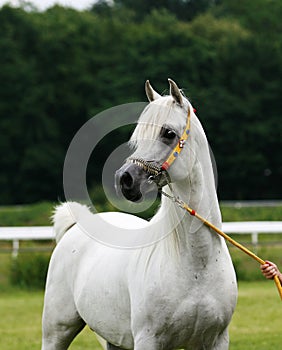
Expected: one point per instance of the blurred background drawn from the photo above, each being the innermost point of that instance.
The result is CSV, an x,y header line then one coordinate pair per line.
x,y
60,66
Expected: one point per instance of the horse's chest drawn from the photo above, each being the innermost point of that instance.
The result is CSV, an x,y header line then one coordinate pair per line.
x,y
178,320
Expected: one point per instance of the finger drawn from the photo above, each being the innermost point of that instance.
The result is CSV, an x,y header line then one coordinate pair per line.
x,y
271,273
264,267
270,263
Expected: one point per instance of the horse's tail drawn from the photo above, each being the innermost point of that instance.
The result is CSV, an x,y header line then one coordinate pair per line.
x,y
65,216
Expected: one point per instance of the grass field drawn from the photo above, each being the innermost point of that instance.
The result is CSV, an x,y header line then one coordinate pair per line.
x,y
256,324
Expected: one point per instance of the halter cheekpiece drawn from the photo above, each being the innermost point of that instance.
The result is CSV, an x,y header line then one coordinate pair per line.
x,y
178,148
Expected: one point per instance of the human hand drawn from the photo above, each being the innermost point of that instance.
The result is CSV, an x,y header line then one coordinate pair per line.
x,y
269,270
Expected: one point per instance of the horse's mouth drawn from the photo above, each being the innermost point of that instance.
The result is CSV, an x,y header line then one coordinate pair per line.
x,y
161,180
128,181
131,196
133,183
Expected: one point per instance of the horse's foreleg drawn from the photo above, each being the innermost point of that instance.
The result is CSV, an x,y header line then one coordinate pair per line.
x,y
59,337
222,342
112,347
145,342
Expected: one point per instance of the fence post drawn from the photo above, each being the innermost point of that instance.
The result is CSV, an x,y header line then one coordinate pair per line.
x,y
16,246
255,241
254,238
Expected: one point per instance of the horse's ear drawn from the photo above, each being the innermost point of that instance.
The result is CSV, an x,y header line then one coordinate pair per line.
x,y
150,92
175,92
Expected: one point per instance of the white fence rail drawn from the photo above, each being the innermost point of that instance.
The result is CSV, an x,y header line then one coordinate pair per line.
x,y
17,234
28,233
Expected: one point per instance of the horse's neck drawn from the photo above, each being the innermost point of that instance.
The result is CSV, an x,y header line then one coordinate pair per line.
x,y
196,241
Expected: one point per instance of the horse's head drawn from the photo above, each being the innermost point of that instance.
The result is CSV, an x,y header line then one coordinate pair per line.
x,y
158,140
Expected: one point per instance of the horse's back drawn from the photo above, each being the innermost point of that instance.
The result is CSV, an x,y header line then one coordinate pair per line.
x,y
83,246
67,214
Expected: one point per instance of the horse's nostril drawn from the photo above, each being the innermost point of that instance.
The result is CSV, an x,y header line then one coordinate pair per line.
x,y
126,180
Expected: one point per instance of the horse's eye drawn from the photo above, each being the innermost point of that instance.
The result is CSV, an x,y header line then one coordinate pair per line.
x,y
168,134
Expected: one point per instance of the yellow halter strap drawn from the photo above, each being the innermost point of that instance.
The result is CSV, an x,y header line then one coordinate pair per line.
x,y
178,148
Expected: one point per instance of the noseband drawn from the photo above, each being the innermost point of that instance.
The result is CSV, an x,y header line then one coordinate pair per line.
x,y
154,169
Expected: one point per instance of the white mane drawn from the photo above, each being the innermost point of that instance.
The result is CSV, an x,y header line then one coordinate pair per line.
x,y
163,111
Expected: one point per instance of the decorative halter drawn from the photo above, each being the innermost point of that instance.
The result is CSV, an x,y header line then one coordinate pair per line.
x,y
154,169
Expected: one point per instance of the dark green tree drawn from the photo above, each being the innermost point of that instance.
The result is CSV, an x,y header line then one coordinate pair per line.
x,y
182,9
60,67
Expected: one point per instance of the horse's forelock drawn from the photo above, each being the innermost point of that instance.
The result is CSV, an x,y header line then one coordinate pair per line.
x,y
154,116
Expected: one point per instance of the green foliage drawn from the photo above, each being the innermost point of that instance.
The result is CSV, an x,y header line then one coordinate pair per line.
x,y
60,67
26,215
248,269
237,213
29,270
39,214
182,9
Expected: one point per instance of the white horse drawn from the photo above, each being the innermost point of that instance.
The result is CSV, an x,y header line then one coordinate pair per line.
x,y
177,292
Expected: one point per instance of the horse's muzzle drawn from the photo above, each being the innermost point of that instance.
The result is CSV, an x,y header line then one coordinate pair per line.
x,y
132,182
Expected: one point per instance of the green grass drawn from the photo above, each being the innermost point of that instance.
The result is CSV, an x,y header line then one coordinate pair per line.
x,y
20,320
256,324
